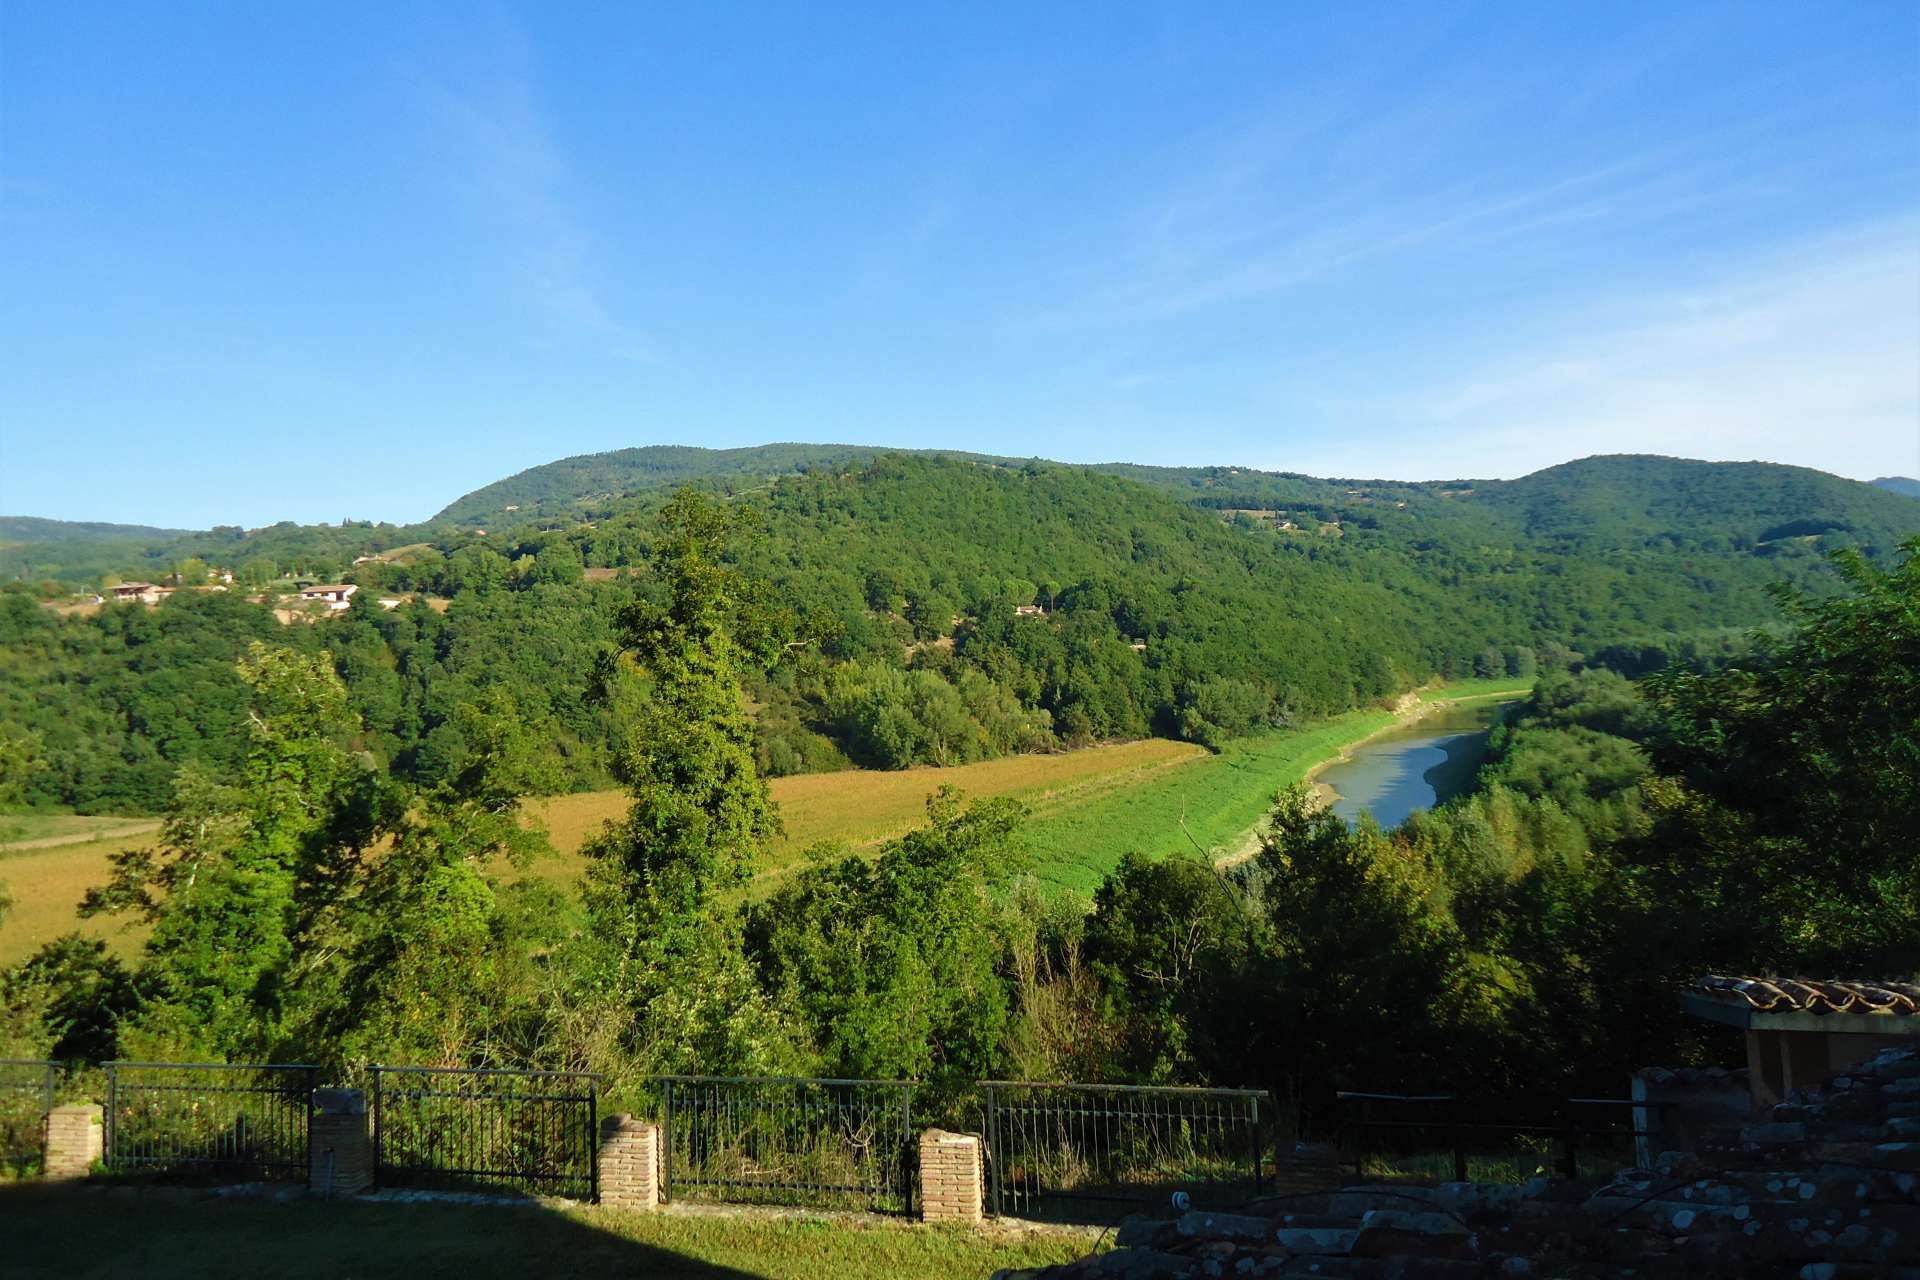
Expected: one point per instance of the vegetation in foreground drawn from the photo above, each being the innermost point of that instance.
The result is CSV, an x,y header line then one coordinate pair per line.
x,y
57,1231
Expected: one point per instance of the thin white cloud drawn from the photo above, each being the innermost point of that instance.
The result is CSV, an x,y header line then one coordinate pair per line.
x,y
483,91
1810,356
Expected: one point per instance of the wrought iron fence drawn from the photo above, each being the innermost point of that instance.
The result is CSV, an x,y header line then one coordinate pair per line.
x,y
792,1141
497,1130
1430,1137
1082,1151
26,1095
249,1120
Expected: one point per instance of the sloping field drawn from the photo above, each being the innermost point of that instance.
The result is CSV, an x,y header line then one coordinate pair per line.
x,y
864,807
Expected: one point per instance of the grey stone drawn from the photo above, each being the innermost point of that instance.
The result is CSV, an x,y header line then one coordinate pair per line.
x,y
1317,1240
1415,1221
1197,1224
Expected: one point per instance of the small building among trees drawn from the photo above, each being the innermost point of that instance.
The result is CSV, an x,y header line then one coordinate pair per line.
x,y
336,595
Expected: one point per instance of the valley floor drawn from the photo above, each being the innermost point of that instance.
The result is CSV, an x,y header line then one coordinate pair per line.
x,y
1089,807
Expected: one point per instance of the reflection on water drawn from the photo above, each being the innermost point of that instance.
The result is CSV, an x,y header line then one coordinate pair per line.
x,y
1413,767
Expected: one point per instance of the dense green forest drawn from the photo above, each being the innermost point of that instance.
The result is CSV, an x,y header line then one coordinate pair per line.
x,y
953,610
309,904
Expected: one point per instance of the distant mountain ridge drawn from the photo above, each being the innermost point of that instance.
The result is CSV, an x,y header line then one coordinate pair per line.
x,y
1623,499
22,529
1905,485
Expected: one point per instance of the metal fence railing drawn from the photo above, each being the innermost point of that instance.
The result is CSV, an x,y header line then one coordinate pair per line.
x,y
1431,1137
246,1120
794,1141
534,1132
1082,1151
26,1095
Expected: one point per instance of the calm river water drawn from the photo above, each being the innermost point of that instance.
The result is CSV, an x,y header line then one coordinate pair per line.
x,y
1415,766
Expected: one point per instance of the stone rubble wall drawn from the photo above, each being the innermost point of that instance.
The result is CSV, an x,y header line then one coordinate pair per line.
x,y
1826,1187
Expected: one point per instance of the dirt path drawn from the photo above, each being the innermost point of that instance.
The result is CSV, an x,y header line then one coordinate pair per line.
x,y
81,837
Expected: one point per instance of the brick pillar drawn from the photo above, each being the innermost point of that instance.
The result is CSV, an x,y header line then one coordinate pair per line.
x,y
75,1139
629,1163
952,1185
339,1147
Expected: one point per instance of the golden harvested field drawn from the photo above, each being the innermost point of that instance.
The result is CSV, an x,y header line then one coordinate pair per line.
x,y
866,807
861,807
46,886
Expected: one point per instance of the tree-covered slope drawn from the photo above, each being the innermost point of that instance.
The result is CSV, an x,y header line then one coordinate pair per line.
x,y
1158,610
590,482
1640,500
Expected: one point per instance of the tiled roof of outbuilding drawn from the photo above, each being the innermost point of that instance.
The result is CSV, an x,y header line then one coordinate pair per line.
x,y
1803,995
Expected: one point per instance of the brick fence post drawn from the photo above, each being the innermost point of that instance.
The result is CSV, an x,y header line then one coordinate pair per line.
x,y
952,1187
339,1148
629,1163
75,1139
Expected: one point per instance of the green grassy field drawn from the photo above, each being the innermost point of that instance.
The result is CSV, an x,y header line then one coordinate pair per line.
x,y
1212,802
86,1232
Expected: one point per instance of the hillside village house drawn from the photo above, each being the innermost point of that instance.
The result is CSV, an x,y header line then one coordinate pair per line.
x,y
337,595
1028,611
144,592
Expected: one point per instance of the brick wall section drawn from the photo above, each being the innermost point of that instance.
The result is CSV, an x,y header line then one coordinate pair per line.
x,y
339,1146
952,1187
75,1139
629,1163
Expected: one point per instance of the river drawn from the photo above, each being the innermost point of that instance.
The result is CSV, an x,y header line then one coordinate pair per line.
x,y
1414,766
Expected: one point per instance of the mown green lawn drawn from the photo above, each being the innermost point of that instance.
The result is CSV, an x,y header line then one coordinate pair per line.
x,y
83,1233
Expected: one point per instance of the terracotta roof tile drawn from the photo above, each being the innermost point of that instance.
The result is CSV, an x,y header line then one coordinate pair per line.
x,y
1805,995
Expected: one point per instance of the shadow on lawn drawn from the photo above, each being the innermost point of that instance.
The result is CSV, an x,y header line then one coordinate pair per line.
x,y
81,1231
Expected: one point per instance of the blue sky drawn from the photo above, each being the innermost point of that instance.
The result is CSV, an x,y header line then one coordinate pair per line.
x,y
265,262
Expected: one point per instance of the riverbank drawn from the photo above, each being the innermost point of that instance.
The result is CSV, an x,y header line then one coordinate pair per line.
x,y
1217,805
1411,713
1408,711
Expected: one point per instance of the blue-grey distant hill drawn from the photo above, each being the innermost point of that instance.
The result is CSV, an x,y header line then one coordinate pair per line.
x,y
1906,485
21,529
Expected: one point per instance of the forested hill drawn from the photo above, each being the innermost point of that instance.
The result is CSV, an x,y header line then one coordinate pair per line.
x,y
1899,484
960,610
1614,501
1629,500
589,482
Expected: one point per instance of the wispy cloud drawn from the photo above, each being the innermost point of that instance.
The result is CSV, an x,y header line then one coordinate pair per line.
x,y
482,88
1321,184
1808,355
